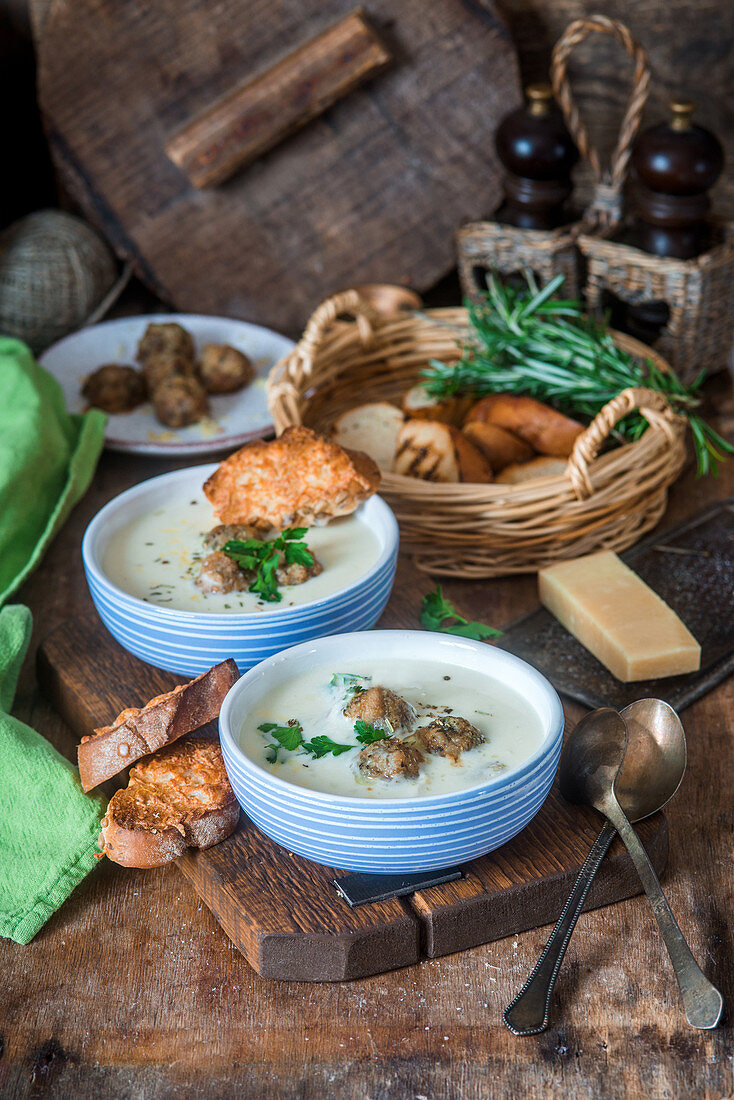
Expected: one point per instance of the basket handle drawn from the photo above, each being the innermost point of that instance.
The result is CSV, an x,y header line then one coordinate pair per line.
x,y
651,404
605,208
324,316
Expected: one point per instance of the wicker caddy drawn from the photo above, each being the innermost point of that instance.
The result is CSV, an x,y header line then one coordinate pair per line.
x,y
350,354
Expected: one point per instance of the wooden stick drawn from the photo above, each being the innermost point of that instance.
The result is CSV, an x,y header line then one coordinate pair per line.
x,y
260,113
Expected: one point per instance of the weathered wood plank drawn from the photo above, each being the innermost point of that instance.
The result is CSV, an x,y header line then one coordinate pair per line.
x,y
370,191
254,117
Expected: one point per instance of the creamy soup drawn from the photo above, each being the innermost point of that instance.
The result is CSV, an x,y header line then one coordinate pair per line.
x,y
156,558
316,699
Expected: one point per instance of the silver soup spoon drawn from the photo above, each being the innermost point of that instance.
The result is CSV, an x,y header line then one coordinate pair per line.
x,y
628,767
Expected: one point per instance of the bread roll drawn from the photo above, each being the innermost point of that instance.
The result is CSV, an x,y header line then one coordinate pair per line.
x,y
547,431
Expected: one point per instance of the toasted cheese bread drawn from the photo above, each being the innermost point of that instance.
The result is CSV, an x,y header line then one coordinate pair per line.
x,y
178,799
301,478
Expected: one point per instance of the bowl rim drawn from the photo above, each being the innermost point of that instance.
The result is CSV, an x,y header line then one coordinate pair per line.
x,y
93,565
553,734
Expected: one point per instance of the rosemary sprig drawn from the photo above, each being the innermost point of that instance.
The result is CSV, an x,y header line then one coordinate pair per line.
x,y
525,342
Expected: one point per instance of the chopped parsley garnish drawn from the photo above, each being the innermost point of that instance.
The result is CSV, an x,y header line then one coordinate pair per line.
x,y
348,683
262,557
323,745
438,613
367,733
290,738
287,737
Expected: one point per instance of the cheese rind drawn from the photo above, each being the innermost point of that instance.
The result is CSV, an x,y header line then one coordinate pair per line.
x,y
618,618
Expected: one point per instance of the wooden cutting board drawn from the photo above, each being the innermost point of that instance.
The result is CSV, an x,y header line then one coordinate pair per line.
x,y
283,912
252,157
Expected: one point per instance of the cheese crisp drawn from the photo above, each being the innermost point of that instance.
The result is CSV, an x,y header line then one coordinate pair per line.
x,y
300,478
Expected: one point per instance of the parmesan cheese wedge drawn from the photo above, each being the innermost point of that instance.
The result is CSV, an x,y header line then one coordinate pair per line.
x,y
618,618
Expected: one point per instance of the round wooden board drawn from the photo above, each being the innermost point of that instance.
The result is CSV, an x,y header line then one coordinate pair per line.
x,y
371,191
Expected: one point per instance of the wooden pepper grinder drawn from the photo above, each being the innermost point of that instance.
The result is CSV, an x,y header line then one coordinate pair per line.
x,y
538,154
674,165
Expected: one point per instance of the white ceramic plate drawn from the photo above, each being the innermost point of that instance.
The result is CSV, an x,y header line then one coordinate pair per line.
x,y
235,417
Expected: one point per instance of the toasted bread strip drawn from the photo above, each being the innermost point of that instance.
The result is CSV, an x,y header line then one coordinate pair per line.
x,y
546,430
473,465
543,466
139,731
499,447
178,799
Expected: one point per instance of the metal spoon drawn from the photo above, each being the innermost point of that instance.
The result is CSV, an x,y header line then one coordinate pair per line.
x,y
650,773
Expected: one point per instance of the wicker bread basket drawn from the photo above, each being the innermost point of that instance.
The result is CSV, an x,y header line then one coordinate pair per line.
x,y
350,354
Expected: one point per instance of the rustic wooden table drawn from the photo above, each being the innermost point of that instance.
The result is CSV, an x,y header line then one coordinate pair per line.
x,y
133,990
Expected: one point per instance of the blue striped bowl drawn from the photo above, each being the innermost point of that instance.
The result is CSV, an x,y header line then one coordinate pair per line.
x,y
190,642
392,835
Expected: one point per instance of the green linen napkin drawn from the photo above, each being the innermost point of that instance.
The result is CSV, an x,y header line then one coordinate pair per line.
x,y
49,828
47,458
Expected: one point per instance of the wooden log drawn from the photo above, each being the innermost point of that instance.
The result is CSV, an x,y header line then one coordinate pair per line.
x,y
261,112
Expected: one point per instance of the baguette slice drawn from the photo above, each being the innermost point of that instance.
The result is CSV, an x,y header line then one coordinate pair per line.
x,y
419,404
178,799
433,451
545,466
546,430
138,731
426,450
372,428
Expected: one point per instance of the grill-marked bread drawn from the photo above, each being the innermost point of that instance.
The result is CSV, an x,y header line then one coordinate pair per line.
x,y
138,731
433,451
178,799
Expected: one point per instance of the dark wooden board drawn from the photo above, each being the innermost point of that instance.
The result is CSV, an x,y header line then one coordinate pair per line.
x,y
370,191
283,912
691,567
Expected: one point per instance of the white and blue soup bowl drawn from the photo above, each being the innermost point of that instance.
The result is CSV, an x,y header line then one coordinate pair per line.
x,y
400,835
190,642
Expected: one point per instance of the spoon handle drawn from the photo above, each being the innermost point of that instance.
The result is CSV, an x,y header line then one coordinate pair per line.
x,y
702,1002
528,1014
